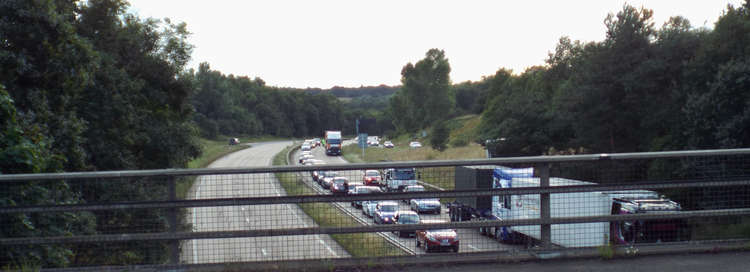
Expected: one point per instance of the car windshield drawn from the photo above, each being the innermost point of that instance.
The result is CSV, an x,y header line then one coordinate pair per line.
x,y
339,181
388,208
330,174
403,174
373,174
408,219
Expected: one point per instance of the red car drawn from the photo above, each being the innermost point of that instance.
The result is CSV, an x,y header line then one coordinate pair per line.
x,y
372,178
437,239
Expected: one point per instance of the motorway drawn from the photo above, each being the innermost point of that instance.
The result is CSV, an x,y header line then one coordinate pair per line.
x,y
251,217
471,240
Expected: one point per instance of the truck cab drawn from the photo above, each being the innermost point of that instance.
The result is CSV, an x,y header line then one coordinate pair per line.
x,y
396,179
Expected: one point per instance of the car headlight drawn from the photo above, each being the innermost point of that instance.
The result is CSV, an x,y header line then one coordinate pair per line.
x,y
386,219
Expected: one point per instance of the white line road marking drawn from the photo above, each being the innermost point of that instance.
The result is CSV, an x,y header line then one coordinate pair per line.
x,y
472,247
263,250
327,247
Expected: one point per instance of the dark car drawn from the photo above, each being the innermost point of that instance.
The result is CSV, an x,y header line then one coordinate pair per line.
x,y
412,188
339,186
364,190
324,174
437,239
384,212
406,218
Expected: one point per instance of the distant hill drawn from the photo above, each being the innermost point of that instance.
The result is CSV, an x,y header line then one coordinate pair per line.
x,y
340,92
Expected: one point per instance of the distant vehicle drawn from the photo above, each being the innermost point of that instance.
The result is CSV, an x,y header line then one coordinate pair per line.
x,y
306,147
415,145
328,180
353,186
384,212
324,174
309,162
405,217
437,239
339,185
412,188
316,141
388,144
396,179
333,142
304,157
372,178
368,207
234,141
364,190
425,205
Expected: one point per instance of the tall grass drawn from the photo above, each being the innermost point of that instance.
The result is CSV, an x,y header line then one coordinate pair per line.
x,y
326,215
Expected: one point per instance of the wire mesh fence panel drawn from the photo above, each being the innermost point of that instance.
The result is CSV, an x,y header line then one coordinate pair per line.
x,y
386,209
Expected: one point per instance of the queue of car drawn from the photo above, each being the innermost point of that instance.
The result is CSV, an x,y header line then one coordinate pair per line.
x,y
384,211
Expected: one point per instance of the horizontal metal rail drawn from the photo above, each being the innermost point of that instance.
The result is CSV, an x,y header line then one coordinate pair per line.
x,y
356,166
370,228
385,196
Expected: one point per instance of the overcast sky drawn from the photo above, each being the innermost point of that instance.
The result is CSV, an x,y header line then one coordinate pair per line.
x,y
365,43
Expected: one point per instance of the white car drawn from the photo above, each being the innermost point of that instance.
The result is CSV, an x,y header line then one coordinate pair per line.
x,y
388,144
415,145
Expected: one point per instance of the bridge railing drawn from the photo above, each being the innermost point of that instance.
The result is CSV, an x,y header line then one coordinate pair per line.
x,y
573,205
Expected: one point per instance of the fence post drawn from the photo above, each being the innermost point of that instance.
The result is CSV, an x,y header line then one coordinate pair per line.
x,y
544,203
174,245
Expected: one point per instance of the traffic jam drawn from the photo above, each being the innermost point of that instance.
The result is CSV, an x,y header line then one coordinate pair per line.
x,y
372,181
431,210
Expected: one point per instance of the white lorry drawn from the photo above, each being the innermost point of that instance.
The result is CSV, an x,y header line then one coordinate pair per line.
x,y
576,204
396,179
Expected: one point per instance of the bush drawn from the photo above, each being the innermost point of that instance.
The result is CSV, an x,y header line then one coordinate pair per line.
x,y
440,134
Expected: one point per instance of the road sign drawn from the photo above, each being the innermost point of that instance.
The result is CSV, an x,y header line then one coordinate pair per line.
x,y
362,140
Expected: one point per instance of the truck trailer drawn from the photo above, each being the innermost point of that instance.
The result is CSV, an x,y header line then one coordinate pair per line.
x,y
575,204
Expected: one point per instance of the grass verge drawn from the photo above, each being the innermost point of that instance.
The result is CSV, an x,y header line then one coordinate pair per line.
x,y
326,215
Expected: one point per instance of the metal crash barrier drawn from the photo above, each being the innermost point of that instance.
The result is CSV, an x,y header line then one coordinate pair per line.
x,y
336,214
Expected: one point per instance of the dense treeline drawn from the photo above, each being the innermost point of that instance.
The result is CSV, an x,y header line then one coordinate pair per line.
x,y
86,86
641,89
380,90
229,105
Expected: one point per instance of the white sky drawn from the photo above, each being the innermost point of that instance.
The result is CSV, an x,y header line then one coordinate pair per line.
x,y
366,43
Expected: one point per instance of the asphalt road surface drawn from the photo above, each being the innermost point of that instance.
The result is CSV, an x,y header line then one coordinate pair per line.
x,y
470,239
251,217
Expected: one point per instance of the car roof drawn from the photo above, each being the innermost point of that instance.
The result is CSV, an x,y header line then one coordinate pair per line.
x,y
433,221
388,202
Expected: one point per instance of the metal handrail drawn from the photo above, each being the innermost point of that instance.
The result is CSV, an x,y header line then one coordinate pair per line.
x,y
356,166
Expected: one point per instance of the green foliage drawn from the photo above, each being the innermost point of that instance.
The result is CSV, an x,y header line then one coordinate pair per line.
x,y
425,97
641,89
29,152
439,136
229,105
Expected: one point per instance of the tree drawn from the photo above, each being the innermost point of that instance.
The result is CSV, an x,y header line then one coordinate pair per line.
x,y
425,96
27,151
439,136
